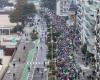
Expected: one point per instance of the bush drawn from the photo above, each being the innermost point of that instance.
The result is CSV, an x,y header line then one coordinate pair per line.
x,y
57,34
49,46
49,56
17,28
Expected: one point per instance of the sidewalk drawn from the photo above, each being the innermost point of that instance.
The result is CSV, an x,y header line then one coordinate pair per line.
x,y
4,67
20,53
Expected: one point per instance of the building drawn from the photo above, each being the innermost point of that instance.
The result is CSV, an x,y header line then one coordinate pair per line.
x,y
9,42
62,7
5,25
88,24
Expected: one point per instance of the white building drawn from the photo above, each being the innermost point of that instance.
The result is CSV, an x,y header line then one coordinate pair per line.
x,y
85,18
88,24
62,7
5,25
9,41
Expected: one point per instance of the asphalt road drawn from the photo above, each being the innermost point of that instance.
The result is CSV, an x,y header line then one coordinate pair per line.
x,y
40,58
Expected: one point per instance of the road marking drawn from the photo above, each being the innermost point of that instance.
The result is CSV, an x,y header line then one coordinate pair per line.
x,y
37,63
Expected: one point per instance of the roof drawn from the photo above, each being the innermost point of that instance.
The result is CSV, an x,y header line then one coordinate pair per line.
x,y
5,22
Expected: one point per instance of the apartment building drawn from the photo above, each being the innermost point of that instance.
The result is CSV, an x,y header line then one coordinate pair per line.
x,y
86,17
87,23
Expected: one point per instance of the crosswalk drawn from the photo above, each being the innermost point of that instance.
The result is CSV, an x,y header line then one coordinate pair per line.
x,y
38,63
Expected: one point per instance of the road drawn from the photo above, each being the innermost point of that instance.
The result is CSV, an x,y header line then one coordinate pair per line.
x,y
38,60
20,53
41,53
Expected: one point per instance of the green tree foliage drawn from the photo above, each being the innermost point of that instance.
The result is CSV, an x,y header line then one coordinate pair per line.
x,y
34,35
14,18
21,12
51,4
3,2
28,9
49,56
17,28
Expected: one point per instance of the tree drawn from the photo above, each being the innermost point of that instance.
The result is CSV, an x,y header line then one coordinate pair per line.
x,y
34,35
17,28
28,10
21,2
49,46
21,12
51,4
3,3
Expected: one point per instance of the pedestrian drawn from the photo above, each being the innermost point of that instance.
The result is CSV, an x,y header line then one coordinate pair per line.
x,y
14,65
41,74
14,76
29,68
16,48
37,69
26,39
19,59
24,47
83,73
44,63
